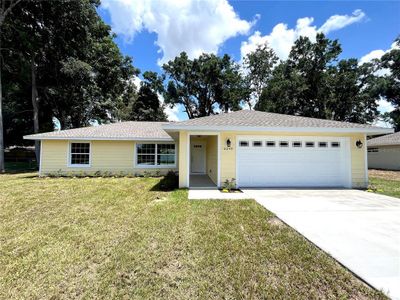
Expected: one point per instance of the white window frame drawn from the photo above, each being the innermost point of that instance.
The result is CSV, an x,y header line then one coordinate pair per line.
x,y
69,158
155,166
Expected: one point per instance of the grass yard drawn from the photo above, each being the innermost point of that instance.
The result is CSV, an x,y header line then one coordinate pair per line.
x,y
385,182
123,238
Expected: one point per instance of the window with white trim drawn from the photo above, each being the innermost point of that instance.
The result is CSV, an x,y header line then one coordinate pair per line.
x,y
270,143
257,144
243,143
335,144
79,154
155,154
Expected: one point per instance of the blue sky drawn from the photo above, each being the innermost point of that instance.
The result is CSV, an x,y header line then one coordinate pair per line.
x,y
153,31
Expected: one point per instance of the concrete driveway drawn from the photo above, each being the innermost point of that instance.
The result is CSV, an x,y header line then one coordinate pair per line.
x,y
359,229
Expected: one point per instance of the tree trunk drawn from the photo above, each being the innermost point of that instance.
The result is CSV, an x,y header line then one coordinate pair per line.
x,y
2,168
35,105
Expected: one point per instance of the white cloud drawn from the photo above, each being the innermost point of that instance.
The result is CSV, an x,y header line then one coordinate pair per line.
x,y
377,54
194,26
171,112
282,38
337,22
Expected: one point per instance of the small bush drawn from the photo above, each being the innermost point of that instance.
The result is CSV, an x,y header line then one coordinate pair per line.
x,y
229,184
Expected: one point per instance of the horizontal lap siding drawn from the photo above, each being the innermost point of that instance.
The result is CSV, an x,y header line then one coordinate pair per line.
x,y
106,156
212,158
387,157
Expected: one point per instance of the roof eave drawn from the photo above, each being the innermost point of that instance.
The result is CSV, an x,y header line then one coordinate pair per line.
x,y
383,145
38,138
368,131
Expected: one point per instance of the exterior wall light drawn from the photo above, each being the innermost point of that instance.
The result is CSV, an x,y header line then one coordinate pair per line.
x,y
228,143
359,144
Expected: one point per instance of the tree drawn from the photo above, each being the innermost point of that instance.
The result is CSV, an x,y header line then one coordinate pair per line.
x,y
5,10
259,66
391,88
313,83
67,49
147,106
353,92
199,84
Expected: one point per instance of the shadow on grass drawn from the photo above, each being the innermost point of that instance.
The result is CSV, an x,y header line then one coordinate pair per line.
x,y
167,184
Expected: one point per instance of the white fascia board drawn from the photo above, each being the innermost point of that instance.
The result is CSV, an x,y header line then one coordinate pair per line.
x,y
382,145
27,137
369,131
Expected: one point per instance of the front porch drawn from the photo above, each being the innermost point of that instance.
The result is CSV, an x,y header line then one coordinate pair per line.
x,y
203,161
201,181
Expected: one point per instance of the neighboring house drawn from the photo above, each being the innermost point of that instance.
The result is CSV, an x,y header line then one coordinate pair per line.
x,y
257,149
384,152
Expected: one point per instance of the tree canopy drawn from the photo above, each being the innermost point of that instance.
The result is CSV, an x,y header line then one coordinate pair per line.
x,y
313,82
391,87
205,84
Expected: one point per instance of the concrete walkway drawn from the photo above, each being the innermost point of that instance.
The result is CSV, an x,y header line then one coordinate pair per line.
x,y
214,193
359,229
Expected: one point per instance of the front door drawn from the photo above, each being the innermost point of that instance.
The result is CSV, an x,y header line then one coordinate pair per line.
x,y
198,158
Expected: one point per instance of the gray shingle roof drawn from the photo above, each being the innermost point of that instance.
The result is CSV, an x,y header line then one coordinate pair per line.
x,y
251,118
390,139
117,131
244,119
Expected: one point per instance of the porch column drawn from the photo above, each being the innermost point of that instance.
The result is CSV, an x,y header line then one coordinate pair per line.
x,y
184,142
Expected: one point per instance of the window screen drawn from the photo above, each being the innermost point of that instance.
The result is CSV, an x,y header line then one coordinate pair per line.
x,y
155,154
80,154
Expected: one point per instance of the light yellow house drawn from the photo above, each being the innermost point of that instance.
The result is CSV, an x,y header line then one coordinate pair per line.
x,y
251,148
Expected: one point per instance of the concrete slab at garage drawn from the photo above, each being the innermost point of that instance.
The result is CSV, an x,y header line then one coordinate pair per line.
x,y
359,229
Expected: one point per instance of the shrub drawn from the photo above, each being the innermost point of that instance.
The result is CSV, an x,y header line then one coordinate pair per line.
x,y
229,184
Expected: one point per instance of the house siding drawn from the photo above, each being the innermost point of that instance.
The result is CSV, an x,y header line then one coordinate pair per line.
x,y
387,157
212,158
116,157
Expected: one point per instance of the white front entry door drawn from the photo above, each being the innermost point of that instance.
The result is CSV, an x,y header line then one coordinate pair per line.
x,y
270,161
198,158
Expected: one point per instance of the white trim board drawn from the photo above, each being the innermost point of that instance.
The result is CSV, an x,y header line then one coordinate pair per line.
x,y
69,165
27,137
189,134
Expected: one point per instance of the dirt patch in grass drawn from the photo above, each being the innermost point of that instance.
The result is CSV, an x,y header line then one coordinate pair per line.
x,y
126,238
384,174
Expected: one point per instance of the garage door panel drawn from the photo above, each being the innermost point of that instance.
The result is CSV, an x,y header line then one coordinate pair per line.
x,y
293,166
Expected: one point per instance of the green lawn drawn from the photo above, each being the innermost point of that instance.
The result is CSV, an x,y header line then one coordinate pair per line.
x,y
389,187
122,238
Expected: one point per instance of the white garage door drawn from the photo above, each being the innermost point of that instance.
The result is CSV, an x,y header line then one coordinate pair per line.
x,y
293,162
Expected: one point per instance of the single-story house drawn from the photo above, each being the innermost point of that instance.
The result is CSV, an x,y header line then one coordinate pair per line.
x,y
256,149
384,152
